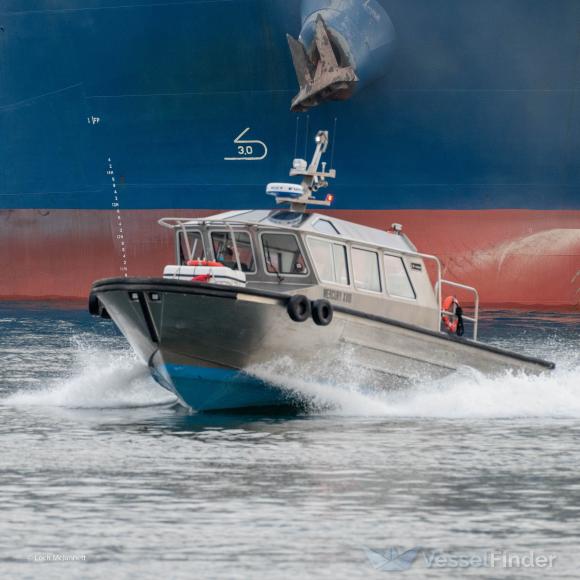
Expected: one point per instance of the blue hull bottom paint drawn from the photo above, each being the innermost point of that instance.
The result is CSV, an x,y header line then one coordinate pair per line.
x,y
213,389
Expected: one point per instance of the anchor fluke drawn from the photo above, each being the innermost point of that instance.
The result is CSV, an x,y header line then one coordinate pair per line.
x,y
320,76
301,62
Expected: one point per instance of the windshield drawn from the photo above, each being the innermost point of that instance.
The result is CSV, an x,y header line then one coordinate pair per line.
x,y
224,250
283,255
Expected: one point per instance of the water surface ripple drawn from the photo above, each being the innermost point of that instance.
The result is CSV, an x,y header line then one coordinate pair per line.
x,y
98,463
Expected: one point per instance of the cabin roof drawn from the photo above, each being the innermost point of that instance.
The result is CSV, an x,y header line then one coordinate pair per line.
x,y
311,223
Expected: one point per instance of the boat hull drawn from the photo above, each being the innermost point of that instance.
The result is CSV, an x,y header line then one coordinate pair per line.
x,y
220,348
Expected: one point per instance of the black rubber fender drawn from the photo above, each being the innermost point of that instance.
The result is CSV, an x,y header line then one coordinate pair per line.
x,y
94,305
96,308
322,312
298,308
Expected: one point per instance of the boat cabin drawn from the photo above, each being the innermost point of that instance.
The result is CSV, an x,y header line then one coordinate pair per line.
x,y
293,251
355,266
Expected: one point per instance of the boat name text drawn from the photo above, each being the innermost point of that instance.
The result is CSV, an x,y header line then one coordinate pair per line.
x,y
338,295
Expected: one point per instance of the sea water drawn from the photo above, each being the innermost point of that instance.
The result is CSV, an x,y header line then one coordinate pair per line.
x,y
103,476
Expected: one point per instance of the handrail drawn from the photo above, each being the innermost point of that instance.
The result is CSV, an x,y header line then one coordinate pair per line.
x,y
475,318
179,222
437,285
174,223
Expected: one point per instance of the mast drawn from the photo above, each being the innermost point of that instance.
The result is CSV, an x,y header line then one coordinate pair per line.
x,y
300,196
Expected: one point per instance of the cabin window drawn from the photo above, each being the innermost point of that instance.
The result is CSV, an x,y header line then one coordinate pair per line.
x,y
330,261
195,251
398,281
224,250
321,251
282,255
365,265
326,227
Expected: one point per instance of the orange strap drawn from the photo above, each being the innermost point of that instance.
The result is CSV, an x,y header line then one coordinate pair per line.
x,y
201,278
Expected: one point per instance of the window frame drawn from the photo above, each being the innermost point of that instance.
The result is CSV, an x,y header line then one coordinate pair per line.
x,y
212,231
377,254
334,232
305,255
332,243
391,295
179,240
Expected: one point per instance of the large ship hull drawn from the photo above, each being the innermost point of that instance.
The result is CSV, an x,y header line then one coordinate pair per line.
x,y
465,127
514,257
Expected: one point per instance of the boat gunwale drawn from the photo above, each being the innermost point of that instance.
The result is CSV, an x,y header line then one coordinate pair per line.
x,y
231,292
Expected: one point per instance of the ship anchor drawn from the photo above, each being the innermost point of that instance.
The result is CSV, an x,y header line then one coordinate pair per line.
x,y
320,76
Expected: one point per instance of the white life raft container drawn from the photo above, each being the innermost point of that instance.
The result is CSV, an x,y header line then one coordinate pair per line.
x,y
206,274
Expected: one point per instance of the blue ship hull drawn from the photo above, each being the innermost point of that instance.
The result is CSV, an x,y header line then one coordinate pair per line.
x,y
136,105
478,108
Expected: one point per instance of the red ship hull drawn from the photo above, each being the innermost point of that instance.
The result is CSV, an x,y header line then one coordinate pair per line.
x,y
516,258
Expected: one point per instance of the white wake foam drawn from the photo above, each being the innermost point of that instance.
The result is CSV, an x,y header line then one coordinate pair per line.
x,y
469,394
100,378
111,377
465,394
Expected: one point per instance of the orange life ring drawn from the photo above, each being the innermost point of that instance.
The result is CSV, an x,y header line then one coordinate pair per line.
x,y
450,304
206,263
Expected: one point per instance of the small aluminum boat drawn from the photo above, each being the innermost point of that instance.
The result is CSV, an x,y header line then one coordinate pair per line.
x,y
250,287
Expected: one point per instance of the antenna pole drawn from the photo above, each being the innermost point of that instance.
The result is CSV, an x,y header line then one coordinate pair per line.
x,y
333,141
306,136
296,137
